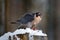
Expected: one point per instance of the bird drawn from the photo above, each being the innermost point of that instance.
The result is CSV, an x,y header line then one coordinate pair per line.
x,y
29,20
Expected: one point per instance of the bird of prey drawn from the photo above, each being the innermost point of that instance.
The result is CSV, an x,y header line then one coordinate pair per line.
x,y
29,20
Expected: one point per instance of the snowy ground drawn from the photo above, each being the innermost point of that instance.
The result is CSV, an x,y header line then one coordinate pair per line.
x,y
23,31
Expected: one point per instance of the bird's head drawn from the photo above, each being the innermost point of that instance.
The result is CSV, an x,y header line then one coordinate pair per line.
x,y
37,17
38,14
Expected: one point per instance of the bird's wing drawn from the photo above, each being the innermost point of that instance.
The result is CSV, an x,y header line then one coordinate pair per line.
x,y
27,18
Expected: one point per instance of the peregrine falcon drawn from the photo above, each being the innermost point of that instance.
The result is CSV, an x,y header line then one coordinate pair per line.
x,y
29,20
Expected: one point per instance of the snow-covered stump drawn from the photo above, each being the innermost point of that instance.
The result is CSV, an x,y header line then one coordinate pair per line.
x,y
24,34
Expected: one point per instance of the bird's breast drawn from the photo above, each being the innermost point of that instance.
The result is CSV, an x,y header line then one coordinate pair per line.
x,y
36,20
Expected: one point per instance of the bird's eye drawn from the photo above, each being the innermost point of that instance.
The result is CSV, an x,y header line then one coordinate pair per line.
x,y
36,15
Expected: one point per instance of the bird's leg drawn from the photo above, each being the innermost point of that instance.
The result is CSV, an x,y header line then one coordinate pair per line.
x,y
34,27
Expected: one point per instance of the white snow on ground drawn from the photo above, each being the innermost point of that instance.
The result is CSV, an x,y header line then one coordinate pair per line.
x,y
5,36
22,31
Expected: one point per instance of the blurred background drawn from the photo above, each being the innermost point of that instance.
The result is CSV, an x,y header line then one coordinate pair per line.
x,y
12,10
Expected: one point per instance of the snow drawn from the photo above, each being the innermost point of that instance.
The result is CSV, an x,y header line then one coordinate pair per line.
x,y
19,31
38,33
35,32
5,36
23,31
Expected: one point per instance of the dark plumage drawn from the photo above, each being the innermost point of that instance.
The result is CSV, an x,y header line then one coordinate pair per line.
x,y
27,18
